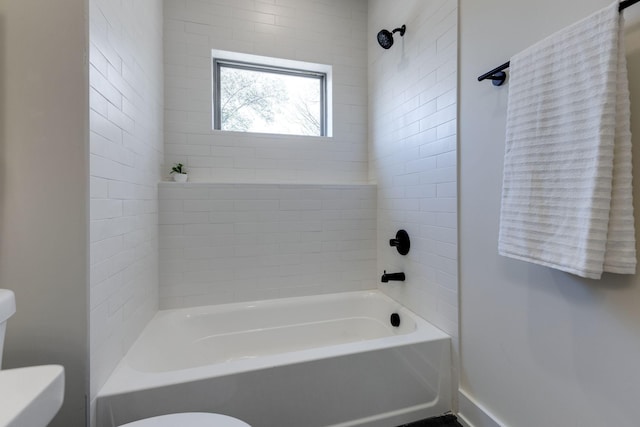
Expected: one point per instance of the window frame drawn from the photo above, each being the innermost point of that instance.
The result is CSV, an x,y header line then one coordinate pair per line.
x,y
321,76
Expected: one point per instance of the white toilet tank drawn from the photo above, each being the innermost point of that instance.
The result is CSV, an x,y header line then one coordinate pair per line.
x,y
7,308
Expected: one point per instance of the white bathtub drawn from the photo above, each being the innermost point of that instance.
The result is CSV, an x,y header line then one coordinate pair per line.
x,y
331,360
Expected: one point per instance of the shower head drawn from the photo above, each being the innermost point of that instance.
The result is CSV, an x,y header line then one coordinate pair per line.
x,y
385,37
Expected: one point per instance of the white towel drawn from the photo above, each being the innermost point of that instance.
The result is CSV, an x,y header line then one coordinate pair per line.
x,y
567,194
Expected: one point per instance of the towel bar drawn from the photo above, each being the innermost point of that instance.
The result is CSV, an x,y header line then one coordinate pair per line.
x,y
498,76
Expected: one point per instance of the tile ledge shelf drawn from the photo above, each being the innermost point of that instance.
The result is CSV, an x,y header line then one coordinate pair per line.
x,y
280,183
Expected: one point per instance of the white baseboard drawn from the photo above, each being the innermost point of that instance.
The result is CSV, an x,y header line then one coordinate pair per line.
x,y
473,414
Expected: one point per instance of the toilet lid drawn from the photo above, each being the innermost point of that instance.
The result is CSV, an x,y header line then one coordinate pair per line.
x,y
189,419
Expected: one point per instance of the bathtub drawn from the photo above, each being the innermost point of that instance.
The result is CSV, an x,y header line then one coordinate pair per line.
x,y
330,360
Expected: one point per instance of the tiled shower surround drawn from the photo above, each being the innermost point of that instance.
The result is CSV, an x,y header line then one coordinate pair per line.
x,y
126,143
237,242
412,149
408,144
413,153
267,216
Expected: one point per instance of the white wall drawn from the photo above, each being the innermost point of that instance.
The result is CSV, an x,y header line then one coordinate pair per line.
x,y
44,189
539,347
233,242
412,128
126,153
325,32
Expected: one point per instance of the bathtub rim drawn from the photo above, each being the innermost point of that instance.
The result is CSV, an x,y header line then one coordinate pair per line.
x,y
125,379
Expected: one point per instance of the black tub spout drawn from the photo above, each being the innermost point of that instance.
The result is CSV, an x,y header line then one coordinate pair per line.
x,y
386,277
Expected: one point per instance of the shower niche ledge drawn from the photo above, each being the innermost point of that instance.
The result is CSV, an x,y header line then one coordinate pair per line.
x,y
266,191
196,184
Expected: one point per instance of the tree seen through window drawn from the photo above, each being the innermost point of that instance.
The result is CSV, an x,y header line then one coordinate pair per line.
x,y
269,101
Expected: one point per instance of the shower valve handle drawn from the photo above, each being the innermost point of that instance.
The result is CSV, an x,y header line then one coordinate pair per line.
x,y
401,242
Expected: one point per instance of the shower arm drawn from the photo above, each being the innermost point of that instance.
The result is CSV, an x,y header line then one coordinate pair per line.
x,y
400,29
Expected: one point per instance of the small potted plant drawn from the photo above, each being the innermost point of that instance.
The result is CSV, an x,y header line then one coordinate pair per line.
x,y
179,172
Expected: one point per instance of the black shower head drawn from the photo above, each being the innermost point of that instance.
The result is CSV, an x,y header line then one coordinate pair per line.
x,y
385,37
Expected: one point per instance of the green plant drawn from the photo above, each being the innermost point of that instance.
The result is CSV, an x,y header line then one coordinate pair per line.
x,y
178,168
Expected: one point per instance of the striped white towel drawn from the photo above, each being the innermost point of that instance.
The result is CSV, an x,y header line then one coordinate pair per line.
x,y
567,194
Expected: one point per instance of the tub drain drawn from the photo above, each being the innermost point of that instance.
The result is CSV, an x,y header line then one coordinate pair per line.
x,y
395,320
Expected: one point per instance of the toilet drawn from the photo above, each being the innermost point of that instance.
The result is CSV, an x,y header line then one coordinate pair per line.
x,y
186,419
189,419
7,309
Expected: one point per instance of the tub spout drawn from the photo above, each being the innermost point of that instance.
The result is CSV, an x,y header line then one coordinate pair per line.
x,y
386,277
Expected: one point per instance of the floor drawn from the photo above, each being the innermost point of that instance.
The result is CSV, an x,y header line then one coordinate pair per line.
x,y
443,421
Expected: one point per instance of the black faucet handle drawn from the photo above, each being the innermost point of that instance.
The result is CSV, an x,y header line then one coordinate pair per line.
x,y
401,242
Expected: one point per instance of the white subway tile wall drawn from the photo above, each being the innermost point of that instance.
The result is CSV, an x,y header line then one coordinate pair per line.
x,y
412,131
126,127
319,31
247,227
222,243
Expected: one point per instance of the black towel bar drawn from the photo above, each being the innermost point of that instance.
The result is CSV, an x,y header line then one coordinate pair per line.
x,y
499,76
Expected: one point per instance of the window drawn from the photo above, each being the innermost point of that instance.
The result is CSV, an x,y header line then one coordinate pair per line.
x,y
269,98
